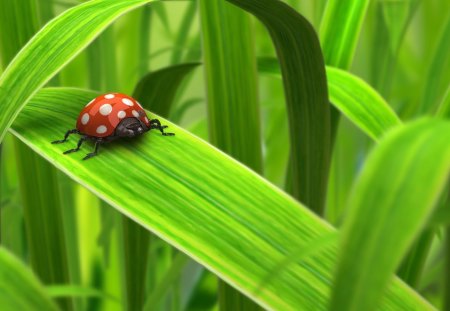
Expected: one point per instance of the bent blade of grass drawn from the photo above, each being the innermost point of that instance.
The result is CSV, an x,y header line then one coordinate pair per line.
x,y
53,47
444,108
202,202
306,93
19,288
356,99
389,207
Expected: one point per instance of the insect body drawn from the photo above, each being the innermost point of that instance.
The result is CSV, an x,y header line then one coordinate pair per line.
x,y
109,117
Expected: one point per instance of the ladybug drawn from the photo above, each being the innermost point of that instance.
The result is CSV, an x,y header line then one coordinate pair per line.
x,y
109,117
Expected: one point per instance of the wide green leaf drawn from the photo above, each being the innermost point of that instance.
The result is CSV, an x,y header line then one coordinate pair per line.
x,y
53,47
389,207
19,288
212,208
351,95
303,71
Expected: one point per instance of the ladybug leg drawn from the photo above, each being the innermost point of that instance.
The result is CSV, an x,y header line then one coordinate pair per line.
x,y
93,154
155,124
74,131
80,142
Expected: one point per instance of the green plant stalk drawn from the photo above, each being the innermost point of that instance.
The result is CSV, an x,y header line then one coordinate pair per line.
x,y
232,97
306,93
11,227
135,243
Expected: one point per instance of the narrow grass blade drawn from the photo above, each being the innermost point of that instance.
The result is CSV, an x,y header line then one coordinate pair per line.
x,y
160,291
352,96
230,71
183,32
62,39
201,201
436,80
232,98
444,108
58,291
157,90
19,288
306,93
340,29
377,232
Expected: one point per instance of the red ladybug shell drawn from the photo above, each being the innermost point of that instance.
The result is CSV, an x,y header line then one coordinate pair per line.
x,y
103,114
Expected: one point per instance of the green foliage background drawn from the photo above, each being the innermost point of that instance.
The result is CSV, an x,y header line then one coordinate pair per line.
x,y
309,170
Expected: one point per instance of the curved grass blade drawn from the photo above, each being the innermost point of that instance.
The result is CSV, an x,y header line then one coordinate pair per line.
x,y
360,103
306,93
201,201
61,39
356,99
157,90
19,288
377,233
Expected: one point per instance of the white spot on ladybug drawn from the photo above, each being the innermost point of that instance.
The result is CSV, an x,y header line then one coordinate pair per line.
x,y
90,102
101,129
146,120
127,102
85,119
121,114
105,109
135,114
109,96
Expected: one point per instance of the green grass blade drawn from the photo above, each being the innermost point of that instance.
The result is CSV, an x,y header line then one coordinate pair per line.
x,y
19,288
306,93
340,29
61,39
58,291
444,108
436,80
360,103
160,291
389,207
201,201
183,32
351,95
230,70
232,97
157,90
